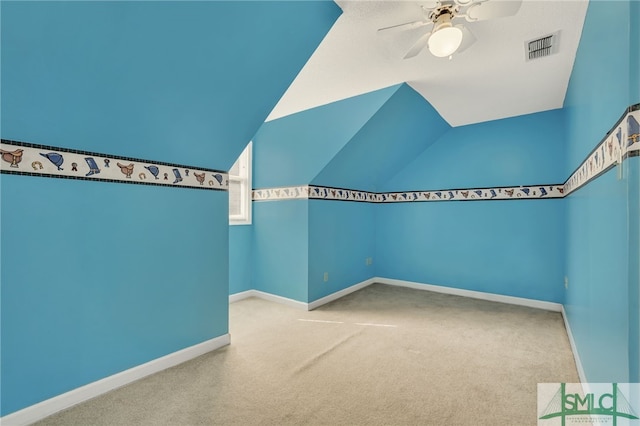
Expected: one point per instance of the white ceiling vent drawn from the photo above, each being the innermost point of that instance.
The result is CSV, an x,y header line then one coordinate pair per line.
x,y
542,46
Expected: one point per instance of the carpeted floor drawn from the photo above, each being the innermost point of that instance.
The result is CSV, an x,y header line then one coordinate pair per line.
x,y
381,356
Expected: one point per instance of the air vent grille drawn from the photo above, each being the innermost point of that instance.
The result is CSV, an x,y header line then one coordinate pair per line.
x,y
541,47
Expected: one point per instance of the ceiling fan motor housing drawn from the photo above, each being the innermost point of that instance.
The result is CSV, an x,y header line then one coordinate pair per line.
x,y
442,21
447,11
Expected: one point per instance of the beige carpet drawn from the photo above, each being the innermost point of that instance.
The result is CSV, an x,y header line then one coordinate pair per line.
x,y
381,356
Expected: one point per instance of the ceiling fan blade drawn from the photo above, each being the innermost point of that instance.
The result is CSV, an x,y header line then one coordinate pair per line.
x,y
468,38
492,9
402,27
418,46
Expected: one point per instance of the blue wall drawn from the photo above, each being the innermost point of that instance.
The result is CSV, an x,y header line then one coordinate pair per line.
x,y
597,297
507,247
93,285
634,205
293,150
296,241
100,277
352,143
633,189
598,91
599,310
341,238
402,128
240,258
634,51
512,247
281,248
525,150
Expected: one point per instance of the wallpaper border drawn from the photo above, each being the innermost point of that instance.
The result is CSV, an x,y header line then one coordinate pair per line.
x,y
314,192
620,143
22,158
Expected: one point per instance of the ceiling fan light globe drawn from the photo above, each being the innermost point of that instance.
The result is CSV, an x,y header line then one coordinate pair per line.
x,y
445,41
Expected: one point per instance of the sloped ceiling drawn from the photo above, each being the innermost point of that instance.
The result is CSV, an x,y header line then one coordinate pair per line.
x,y
294,149
356,143
398,132
491,80
183,82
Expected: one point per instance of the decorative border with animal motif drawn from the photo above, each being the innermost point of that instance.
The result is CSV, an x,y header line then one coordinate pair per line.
x,y
622,142
304,192
46,161
476,194
282,193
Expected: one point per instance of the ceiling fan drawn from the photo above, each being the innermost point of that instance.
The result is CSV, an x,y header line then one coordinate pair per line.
x,y
445,39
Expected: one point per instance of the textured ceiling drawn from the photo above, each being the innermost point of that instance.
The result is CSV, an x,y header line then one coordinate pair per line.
x,y
488,81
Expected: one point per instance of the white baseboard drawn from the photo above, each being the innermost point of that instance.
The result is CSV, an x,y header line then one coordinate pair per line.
x,y
242,295
267,296
338,294
574,348
532,303
58,403
296,304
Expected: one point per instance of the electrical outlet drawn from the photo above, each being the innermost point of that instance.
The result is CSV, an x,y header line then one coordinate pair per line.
x,y
326,276
566,282
368,261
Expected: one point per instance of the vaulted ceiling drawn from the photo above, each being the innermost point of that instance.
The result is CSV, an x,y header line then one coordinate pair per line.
x,y
490,80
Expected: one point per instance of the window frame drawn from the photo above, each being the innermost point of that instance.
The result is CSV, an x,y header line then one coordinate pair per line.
x,y
244,179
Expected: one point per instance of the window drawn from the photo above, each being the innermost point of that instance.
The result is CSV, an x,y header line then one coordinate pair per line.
x,y
240,189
